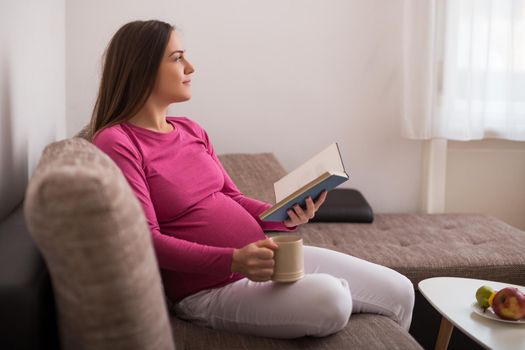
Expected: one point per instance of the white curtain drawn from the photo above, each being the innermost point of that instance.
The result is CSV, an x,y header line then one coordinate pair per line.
x,y
464,69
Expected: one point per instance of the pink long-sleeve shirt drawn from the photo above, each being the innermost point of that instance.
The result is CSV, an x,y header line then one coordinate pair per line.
x,y
196,214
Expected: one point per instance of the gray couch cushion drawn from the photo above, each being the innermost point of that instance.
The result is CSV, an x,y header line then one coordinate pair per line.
x,y
93,235
427,245
364,331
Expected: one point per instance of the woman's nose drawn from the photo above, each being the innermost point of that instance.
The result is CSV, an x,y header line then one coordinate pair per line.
x,y
188,69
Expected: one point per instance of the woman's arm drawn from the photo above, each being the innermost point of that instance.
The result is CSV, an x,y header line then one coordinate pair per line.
x,y
172,253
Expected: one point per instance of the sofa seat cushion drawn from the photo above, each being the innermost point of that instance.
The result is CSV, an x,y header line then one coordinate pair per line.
x,y
364,331
427,245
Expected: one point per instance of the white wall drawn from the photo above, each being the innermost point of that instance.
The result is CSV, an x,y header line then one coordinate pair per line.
x,y
281,76
32,89
487,177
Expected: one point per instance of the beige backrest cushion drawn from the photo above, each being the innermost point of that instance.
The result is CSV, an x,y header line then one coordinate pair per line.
x,y
254,174
94,238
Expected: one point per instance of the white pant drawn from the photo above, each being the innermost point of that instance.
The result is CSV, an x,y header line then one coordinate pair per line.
x,y
335,285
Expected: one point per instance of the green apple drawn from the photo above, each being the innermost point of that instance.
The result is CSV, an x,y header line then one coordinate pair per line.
x,y
482,296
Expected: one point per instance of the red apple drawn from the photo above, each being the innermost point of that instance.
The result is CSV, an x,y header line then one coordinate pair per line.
x,y
509,304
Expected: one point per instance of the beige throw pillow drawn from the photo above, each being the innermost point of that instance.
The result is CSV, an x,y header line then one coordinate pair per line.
x,y
94,238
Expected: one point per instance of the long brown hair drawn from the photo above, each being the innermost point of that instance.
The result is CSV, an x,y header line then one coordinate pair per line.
x,y
131,63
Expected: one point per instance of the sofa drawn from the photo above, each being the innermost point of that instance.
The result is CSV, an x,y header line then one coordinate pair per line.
x,y
79,271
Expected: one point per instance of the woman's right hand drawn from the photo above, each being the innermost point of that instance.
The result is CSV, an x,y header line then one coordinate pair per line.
x,y
255,260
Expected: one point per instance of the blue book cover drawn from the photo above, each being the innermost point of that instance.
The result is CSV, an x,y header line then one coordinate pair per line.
x,y
325,171
280,212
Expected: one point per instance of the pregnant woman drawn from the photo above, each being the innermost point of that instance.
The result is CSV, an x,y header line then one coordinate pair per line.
x,y
215,260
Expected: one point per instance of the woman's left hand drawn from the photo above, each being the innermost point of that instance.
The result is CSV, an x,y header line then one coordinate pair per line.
x,y
298,216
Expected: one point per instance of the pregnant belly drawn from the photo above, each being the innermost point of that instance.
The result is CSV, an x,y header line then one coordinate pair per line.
x,y
217,221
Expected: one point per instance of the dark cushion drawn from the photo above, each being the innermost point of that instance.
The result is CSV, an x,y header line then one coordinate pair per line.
x,y
26,298
344,205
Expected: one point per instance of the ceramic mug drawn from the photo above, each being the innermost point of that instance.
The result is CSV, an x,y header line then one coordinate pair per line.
x,y
289,258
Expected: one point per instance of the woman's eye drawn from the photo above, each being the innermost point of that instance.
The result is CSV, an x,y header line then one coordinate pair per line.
x,y
178,59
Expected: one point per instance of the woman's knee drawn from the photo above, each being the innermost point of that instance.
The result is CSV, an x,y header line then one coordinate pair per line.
x,y
402,293
331,302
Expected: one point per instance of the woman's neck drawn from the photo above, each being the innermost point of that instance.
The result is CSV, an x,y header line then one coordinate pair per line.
x,y
152,117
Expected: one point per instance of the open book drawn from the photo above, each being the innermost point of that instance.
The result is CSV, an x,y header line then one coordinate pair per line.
x,y
324,171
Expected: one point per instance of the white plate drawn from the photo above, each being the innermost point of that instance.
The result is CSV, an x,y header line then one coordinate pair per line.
x,y
491,315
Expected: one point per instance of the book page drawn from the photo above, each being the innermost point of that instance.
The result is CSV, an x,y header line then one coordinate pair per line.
x,y
328,160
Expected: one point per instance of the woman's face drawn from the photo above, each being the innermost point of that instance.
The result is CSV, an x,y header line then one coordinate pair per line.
x,y
173,83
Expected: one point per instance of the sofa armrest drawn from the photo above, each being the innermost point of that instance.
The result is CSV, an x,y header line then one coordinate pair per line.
x,y
93,235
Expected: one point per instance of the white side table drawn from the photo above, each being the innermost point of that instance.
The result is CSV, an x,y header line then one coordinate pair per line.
x,y
452,297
